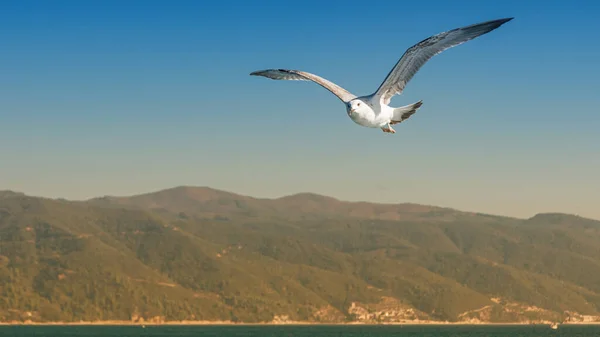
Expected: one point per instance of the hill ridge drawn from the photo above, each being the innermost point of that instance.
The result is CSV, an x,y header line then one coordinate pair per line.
x,y
293,196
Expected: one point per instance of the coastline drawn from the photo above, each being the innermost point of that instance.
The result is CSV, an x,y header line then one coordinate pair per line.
x,y
219,323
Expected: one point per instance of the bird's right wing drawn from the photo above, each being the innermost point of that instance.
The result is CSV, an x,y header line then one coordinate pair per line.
x,y
416,56
297,75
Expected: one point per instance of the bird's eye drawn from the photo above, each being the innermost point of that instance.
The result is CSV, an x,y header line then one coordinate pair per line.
x,y
358,104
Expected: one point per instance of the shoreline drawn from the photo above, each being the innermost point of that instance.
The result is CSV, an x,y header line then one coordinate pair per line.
x,y
217,323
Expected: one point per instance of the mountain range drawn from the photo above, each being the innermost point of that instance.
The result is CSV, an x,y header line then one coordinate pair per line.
x,y
201,254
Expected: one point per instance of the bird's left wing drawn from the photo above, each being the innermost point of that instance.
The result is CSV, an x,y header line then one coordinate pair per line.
x,y
416,56
297,75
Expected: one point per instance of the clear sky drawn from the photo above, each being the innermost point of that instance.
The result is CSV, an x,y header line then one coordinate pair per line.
x,y
125,97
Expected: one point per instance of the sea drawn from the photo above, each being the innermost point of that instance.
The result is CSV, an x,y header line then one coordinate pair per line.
x,y
299,331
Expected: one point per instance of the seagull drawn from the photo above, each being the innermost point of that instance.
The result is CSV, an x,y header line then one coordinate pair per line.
x,y
373,110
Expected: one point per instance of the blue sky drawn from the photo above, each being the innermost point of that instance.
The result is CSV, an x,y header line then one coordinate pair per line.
x,y
120,98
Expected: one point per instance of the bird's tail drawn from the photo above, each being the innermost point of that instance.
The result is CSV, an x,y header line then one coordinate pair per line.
x,y
402,113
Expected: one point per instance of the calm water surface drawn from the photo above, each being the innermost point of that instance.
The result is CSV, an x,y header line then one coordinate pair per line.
x,y
298,331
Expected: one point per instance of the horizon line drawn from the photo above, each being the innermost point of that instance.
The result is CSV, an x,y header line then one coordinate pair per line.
x,y
287,196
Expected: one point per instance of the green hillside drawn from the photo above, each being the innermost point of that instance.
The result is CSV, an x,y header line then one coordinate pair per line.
x,y
193,253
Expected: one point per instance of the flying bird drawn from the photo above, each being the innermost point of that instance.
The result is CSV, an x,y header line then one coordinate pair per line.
x,y
373,110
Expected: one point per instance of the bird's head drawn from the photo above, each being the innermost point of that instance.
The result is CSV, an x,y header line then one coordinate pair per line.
x,y
356,107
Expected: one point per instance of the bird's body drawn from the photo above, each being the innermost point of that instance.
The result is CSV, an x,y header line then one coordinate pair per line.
x,y
369,111
373,111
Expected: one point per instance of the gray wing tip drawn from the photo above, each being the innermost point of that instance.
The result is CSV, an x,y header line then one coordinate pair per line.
x,y
266,71
482,27
500,22
258,72
492,24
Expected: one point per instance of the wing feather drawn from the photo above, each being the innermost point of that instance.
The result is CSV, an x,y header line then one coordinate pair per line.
x,y
416,56
297,75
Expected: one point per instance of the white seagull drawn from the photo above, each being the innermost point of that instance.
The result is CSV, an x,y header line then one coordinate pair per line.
x,y
373,110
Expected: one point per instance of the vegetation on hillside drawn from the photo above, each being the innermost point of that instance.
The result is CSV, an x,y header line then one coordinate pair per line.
x,y
202,254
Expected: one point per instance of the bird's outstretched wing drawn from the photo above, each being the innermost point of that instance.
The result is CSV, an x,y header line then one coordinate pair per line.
x,y
416,56
297,75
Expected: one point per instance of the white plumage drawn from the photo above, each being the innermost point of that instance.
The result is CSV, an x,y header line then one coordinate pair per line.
x,y
373,110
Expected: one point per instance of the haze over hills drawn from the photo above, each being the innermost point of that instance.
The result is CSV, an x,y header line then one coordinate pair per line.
x,y
205,200
196,253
